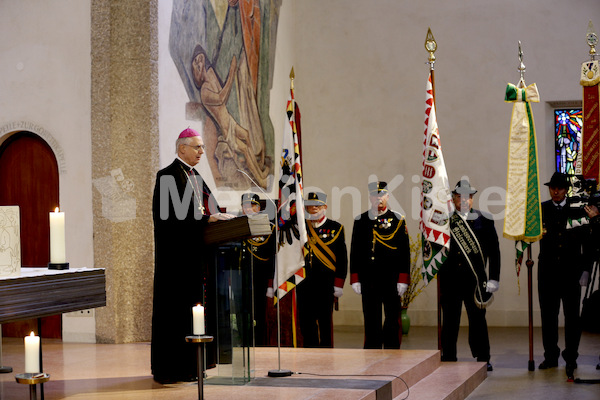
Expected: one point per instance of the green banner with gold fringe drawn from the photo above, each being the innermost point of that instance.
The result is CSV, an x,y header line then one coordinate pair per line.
x,y
523,216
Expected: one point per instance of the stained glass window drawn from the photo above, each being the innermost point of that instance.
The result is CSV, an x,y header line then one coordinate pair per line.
x,y
567,132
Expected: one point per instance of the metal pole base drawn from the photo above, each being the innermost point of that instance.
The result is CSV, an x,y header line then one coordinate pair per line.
x,y
200,340
279,373
531,365
59,266
33,380
3,370
579,380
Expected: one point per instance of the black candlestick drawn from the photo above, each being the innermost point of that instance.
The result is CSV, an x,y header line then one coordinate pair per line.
x,y
58,265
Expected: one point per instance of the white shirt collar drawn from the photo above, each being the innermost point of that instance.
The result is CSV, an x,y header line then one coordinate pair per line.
x,y
186,164
562,203
319,223
376,214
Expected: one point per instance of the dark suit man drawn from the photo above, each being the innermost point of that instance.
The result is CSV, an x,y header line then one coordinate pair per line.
x,y
561,266
259,252
593,252
326,266
182,205
462,278
380,268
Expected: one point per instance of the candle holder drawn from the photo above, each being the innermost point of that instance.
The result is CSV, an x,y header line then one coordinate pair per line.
x,y
200,341
3,369
58,266
32,380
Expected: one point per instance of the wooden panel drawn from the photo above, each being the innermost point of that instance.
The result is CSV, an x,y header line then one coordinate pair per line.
x,y
63,291
29,178
237,229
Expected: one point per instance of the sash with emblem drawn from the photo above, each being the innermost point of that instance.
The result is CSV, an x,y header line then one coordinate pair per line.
x,y
469,246
259,247
320,249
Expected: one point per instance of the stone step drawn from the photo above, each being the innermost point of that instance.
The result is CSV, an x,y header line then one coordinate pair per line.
x,y
450,381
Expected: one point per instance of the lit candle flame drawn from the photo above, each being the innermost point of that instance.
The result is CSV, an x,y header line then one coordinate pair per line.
x,y
56,209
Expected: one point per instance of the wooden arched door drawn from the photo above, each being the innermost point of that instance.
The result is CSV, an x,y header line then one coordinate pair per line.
x,y
29,179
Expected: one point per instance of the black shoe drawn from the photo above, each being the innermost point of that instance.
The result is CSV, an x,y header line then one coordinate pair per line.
x,y
598,366
189,379
489,367
547,364
165,380
570,370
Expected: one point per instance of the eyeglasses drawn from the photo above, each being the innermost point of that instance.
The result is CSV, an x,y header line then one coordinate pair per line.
x,y
197,148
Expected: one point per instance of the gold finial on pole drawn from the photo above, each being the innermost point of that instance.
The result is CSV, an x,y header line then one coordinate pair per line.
x,y
592,40
292,76
521,68
430,46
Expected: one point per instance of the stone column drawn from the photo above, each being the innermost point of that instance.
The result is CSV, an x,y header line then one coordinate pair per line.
x,y
124,42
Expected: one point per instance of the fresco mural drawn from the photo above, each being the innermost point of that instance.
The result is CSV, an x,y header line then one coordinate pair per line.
x,y
224,52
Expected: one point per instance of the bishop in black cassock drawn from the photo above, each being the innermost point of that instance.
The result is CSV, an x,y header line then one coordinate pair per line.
x,y
181,206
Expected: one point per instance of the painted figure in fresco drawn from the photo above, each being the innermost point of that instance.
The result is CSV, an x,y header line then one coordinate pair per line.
x,y
240,135
250,16
234,140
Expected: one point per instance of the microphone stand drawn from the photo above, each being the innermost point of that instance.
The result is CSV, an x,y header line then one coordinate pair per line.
x,y
274,373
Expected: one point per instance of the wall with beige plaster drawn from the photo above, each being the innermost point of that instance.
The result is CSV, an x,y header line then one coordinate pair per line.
x,y
360,81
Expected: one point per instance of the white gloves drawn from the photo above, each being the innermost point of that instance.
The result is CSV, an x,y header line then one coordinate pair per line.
x,y
338,291
585,277
492,286
401,288
270,293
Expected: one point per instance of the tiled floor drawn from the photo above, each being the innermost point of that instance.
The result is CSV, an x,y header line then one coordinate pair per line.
x,y
122,371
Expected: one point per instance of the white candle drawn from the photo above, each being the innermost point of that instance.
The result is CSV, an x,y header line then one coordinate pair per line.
x,y
57,237
198,319
32,354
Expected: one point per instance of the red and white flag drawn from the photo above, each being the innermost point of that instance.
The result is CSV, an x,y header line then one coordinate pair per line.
x,y
292,228
436,202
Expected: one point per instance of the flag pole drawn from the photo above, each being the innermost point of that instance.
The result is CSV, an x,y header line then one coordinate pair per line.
x,y
279,370
279,373
529,263
431,47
